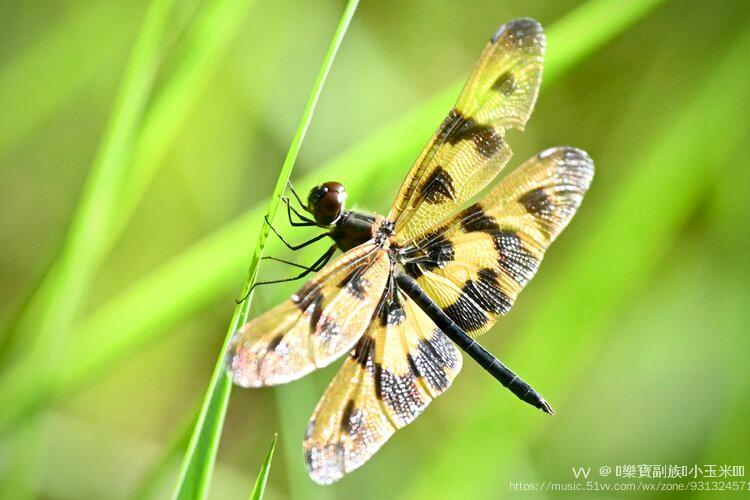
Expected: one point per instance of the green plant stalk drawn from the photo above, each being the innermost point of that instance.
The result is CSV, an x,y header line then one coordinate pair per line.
x,y
64,288
82,252
563,335
207,40
193,279
260,482
197,467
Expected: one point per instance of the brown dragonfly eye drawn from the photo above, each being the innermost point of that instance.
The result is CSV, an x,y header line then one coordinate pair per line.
x,y
326,202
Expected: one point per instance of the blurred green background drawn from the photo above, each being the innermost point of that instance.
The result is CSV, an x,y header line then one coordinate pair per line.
x,y
636,328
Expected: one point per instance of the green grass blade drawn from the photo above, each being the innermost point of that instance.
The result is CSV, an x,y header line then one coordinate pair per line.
x,y
64,288
82,252
207,41
260,483
562,336
193,279
197,468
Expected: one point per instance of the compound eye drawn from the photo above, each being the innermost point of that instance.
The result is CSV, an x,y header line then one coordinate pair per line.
x,y
314,197
326,202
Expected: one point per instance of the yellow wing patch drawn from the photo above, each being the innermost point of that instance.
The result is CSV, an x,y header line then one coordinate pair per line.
x,y
322,321
396,369
468,150
475,265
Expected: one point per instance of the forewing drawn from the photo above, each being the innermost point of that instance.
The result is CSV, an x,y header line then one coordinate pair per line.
x,y
401,363
475,265
469,148
319,323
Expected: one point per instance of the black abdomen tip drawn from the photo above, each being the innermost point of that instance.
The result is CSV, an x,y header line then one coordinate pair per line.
x,y
546,408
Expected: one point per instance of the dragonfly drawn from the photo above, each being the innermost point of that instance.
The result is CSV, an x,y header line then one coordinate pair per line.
x,y
413,289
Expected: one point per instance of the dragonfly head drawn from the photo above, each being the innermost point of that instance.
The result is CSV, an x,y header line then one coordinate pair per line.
x,y
326,202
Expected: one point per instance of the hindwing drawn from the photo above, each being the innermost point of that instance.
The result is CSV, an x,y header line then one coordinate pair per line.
x,y
399,365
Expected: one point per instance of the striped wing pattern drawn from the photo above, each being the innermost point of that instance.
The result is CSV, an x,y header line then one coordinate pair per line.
x,y
469,149
318,324
400,364
475,265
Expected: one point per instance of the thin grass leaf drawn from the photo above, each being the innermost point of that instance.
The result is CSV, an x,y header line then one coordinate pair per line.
x,y
207,40
64,288
260,483
197,468
84,247
193,279
563,336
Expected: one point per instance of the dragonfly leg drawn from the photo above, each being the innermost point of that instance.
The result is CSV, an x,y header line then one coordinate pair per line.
x,y
315,267
306,222
295,247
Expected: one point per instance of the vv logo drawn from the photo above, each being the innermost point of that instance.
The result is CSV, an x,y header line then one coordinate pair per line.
x,y
579,472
